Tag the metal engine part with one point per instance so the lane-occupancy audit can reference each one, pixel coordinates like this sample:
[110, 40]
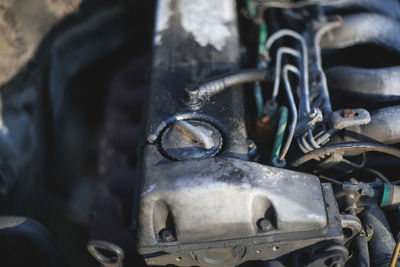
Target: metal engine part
[213, 207]
[207, 133]
[217, 204]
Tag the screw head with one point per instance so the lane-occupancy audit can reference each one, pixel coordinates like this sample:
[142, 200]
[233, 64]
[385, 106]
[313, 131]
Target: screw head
[166, 235]
[264, 225]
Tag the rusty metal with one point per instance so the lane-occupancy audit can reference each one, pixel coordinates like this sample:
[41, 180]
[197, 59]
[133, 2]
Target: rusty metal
[350, 117]
[384, 127]
[263, 130]
[344, 147]
[348, 113]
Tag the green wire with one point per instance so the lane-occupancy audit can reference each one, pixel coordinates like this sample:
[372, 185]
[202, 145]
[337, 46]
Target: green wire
[251, 7]
[259, 99]
[262, 40]
[283, 116]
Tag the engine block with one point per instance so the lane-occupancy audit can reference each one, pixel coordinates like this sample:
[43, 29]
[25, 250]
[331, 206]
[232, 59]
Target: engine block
[202, 201]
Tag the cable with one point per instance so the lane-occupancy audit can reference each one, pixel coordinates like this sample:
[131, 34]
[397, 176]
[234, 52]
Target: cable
[258, 98]
[292, 126]
[343, 147]
[377, 173]
[262, 40]
[369, 170]
[280, 132]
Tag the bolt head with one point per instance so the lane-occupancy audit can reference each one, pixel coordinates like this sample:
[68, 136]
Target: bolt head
[264, 225]
[166, 235]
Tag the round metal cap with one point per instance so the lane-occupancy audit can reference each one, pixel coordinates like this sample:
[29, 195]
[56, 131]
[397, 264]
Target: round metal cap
[191, 139]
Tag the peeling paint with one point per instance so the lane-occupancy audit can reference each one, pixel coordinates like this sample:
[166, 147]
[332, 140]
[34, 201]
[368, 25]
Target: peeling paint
[208, 21]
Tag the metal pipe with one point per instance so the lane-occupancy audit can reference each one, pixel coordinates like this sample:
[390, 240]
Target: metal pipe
[301, 146]
[305, 144]
[317, 46]
[364, 28]
[305, 79]
[278, 67]
[375, 84]
[325, 92]
[310, 136]
[194, 95]
[344, 147]
[292, 126]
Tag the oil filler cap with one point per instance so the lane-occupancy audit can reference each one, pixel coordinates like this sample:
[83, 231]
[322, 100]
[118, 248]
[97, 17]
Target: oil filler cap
[191, 139]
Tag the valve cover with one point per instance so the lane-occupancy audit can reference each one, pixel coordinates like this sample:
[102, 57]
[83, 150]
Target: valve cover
[201, 202]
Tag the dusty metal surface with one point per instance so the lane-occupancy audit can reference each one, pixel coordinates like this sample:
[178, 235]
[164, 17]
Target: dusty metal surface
[363, 28]
[383, 128]
[373, 84]
[213, 211]
[180, 59]
[23, 24]
[74, 152]
[262, 246]
[225, 199]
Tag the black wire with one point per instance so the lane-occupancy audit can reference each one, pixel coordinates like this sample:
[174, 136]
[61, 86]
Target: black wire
[343, 147]
[369, 170]
[377, 173]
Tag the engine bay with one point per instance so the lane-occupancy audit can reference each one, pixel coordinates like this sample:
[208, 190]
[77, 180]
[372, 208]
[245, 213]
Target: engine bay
[216, 133]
